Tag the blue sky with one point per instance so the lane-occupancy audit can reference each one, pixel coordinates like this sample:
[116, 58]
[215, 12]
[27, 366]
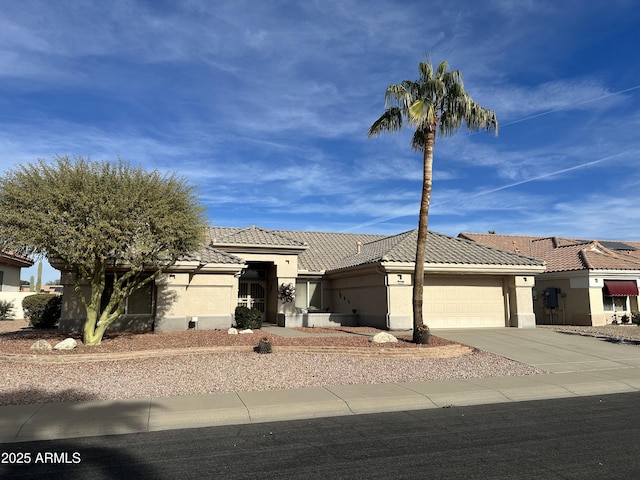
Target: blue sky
[265, 107]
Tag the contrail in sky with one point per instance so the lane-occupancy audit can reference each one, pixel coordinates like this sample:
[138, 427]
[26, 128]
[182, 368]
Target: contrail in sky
[546, 175]
[572, 105]
[498, 189]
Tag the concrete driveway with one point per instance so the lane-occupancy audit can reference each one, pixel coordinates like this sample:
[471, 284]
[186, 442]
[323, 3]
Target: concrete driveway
[549, 350]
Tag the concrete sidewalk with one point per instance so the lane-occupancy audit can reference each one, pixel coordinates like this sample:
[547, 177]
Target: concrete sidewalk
[578, 366]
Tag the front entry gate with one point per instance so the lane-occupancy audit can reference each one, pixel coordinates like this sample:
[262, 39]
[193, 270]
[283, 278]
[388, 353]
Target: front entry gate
[253, 294]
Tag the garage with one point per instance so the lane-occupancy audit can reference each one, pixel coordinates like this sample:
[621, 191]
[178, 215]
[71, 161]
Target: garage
[464, 301]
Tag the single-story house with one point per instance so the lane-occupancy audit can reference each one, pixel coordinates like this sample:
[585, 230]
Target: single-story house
[586, 282]
[10, 267]
[339, 279]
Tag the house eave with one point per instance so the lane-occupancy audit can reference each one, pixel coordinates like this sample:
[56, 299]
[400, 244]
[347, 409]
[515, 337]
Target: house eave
[466, 269]
[16, 261]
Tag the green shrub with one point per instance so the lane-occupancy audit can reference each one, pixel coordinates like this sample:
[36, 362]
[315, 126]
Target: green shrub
[6, 310]
[42, 310]
[248, 318]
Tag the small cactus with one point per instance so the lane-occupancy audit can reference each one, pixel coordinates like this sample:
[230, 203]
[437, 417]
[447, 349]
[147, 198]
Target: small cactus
[421, 334]
[264, 345]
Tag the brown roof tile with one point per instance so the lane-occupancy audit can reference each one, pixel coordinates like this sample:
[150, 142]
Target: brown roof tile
[568, 254]
[15, 259]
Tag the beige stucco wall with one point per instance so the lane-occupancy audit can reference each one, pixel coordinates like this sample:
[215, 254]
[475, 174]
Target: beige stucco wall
[210, 296]
[286, 264]
[205, 299]
[364, 291]
[400, 301]
[11, 278]
[384, 299]
[520, 301]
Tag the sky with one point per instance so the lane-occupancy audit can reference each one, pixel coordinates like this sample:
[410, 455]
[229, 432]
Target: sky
[264, 106]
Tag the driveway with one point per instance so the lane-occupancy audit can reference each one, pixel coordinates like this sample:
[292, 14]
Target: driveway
[548, 350]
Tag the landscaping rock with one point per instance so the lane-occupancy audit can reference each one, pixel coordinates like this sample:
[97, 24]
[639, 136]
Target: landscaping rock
[383, 337]
[41, 345]
[246, 330]
[66, 344]
[232, 331]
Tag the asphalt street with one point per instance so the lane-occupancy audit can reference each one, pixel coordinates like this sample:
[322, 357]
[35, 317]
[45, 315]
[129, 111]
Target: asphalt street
[569, 438]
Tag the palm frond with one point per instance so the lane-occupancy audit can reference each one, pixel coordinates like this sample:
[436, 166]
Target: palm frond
[389, 121]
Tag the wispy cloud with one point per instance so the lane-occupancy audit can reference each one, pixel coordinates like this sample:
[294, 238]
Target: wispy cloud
[265, 106]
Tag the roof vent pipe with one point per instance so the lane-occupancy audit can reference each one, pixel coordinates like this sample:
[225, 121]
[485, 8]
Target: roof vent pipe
[358, 247]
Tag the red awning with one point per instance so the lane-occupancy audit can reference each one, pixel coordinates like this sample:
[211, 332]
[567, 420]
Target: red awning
[620, 288]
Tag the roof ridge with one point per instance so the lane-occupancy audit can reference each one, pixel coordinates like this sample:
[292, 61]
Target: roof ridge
[254, 228]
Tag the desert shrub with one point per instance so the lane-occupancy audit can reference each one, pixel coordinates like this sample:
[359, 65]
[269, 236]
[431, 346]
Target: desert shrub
[248, 318]
[6, 310]
[42, 310]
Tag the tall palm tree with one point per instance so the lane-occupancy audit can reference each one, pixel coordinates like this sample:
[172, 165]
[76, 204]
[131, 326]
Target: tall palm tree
[437, 101]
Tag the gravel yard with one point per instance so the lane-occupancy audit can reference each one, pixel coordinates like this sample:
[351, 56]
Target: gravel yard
[243, 370]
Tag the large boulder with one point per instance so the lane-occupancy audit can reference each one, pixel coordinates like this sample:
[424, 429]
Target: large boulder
[66, 344]
[383, 337]
[232, 331]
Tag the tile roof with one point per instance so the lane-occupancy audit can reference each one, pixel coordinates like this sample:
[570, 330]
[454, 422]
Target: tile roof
[208, 254]
[440, 249]
[567, 254]
[250, 236]
[323, 251]
[13, 258]
[326, 248]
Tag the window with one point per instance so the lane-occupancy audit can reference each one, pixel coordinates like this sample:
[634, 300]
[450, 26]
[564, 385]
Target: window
[615, 304]
[140, 302]
[309, 295]
[1, 279]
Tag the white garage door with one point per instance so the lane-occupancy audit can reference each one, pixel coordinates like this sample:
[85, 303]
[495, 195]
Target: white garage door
[463, 302]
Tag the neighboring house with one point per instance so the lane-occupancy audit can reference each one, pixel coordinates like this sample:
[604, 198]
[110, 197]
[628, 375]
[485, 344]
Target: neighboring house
[10, 267]
[339, 279]
[586, 282]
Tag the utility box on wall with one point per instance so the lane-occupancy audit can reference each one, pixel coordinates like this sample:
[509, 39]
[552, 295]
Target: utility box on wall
[551, 297]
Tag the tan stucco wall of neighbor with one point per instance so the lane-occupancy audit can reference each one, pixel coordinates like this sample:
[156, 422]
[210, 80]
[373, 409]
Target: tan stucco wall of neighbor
[580, 303]
[16, 301]
[598, 315]
[10, 278]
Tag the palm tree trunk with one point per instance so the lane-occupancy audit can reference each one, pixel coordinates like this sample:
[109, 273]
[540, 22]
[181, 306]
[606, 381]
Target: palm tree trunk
[418, 273]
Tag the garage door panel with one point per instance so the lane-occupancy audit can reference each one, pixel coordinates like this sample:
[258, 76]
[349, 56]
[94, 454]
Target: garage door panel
[462, 302]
